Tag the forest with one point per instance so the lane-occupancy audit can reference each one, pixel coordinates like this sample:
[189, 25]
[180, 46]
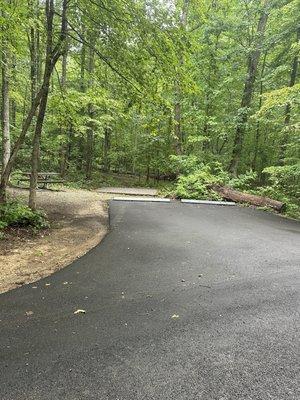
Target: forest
[182, 95]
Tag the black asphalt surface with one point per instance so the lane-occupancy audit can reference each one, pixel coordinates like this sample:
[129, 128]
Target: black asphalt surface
[182, 302]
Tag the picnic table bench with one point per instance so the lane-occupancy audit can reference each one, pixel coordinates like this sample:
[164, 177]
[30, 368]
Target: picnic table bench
[44, 178]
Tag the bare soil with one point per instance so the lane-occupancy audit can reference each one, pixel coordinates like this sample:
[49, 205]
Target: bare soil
[79, 221]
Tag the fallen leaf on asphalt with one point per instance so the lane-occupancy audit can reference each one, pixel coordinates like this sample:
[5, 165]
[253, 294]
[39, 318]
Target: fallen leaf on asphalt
[65, 283]
[79, 312]
[47, 284]
[29, 313]
[182, 280]
[175, 316]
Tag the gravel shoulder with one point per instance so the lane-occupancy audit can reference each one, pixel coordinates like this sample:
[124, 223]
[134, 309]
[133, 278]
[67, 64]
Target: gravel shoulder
[79, 221]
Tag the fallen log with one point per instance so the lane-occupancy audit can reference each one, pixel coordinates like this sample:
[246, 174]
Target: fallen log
[231, 194]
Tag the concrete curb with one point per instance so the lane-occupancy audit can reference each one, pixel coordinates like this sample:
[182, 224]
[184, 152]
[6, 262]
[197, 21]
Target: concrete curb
[144, 199]
[209, 202]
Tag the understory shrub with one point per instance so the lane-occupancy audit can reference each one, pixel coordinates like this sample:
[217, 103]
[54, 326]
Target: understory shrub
[285, 179]
[244, 182]
[17, 214]
[197, 185]
[284, 185]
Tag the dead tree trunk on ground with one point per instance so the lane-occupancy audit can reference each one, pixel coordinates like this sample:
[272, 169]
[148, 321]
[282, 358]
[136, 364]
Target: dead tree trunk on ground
[240, 197]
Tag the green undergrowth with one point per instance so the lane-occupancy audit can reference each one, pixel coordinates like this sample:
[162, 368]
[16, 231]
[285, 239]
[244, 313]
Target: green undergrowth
[281, 183]
[16, 214]
[102, 179]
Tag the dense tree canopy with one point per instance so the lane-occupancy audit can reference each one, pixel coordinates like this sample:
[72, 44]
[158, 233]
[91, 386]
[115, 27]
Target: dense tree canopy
[152, 87]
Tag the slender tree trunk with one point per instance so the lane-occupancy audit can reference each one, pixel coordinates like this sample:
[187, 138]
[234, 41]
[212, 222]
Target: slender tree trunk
[90, 130]
[18, 144]
[288, 107]
[82, 63]
[64, 150]
[89, 147]
[33, 63]
[178, 133]
[5, 104]
[13, 107]
[257, 131]
[31, 113]
[49, 10]
[253, 61]
[52, 55]
[106, 147]
[33, 41]
[80, 143]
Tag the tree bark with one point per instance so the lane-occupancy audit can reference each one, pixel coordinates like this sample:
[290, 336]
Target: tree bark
[234, 195]
[31, 113]
[257, 131]
[52, 55]
[178, 91]
[5, 104]
[13, 103]
[106, 147]
[64, 148]
[253, 61]
[90, 129]
[288, 108]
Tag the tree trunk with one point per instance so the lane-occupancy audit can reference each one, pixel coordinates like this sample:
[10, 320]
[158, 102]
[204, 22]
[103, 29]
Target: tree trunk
[49, 10]
[18, 144]
[178, 92]
[234, 195]
[257, 131]
[90, 130]
[89, 149]
[288, 108]
[253, 62]
[52, 55]
[64, 148]
[82, 62]
[106, 147]
[5, 104]
[35, 104]
[13, 107]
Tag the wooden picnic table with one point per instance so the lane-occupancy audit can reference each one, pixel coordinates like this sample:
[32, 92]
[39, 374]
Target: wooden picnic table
[44, 178]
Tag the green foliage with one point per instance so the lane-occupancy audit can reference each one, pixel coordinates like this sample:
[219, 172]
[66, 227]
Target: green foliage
[284, 185]
[245, 181]
[131, 63]
[197, 185]
[15, 214]
[285, 179]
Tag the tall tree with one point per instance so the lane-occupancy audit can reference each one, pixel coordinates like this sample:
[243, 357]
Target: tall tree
[90, 130]
[178, 133]
[253, 61]
[5, 102]
[53, 52]
[288, 107]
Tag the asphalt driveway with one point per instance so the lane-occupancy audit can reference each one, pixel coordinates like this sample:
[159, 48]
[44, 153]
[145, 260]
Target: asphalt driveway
[181, 302]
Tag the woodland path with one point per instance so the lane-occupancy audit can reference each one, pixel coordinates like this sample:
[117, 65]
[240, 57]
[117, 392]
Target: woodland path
[181, 302]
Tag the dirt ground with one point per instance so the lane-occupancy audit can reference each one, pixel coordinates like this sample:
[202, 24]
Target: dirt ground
[79, 221]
